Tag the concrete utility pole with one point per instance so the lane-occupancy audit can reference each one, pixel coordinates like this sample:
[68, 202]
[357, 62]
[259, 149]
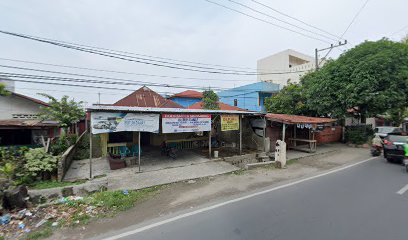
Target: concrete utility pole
[324, 49]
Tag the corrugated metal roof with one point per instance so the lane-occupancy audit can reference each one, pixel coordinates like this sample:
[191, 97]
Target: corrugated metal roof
[295, 119]
[166, 110]
[27, 123]
[145, 97]
[188, 94]
[221, 105]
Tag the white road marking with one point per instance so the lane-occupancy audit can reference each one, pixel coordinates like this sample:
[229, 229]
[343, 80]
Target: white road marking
[153, 225]
[403, 190]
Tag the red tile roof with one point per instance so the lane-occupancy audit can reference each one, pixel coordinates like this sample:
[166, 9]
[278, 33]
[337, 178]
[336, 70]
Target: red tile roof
[30, 99]
[188, 94]
[222, 106]
[145, 97]
[295, 119]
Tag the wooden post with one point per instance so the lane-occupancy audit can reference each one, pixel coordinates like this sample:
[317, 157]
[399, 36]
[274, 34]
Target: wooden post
[283, 131]
[90, 153]
[264, 134]
[209, 143]
[139, 151]
[240, 134]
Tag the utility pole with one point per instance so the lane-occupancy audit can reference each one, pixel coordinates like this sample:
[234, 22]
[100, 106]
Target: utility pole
[324, 49]
[99, 98]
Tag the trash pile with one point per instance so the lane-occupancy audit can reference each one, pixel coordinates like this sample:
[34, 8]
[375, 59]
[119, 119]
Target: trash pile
[66, 211]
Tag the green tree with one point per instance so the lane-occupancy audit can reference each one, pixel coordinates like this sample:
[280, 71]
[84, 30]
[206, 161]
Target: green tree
[290, 100]
[371, 78]
[3, 91]
[65, 111]
[210, 100]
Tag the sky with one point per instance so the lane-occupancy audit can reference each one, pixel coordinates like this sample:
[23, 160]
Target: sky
[188, 30]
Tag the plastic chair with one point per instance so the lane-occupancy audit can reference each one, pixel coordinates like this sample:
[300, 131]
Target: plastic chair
[123, 151]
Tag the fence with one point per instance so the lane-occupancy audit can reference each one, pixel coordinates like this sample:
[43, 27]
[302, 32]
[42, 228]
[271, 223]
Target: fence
[66, 159]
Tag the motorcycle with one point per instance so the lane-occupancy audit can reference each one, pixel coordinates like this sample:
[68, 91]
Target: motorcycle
[376, 150]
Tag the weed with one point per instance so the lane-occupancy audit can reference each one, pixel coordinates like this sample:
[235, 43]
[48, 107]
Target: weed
[43, 233]
[53, 184]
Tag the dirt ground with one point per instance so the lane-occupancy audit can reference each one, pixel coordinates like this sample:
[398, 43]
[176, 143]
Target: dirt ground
[184, 196]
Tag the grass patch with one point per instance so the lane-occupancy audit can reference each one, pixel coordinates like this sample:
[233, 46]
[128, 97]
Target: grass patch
[117, 200]
[40, 234]
[54, 184]
[291, 161]
[238, 172]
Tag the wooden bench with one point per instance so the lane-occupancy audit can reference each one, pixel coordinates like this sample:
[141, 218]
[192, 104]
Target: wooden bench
[310, 143]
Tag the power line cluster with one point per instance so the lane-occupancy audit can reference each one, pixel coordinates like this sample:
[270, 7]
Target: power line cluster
[131, 57]
[300, 27]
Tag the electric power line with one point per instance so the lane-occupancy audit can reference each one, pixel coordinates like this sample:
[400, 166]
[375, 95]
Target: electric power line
[268, 22]
[114, 54]
[122, 72]
[283, 21]
[293, 18]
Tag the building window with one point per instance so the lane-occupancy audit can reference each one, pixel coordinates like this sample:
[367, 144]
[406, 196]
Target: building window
[235, 102]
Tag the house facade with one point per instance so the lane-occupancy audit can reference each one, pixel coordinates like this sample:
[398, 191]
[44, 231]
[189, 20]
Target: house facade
[19, 123]
[293, 64]
[250, 97]
[187, 98]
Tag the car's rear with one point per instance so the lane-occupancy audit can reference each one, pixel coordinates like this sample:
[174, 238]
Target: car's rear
[394, 146]
[384, 131]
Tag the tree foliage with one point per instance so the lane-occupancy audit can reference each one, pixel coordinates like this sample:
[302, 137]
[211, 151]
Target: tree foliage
[371, 78]
[210, 100]
[65, 111]
[3, 91]
[290, 100]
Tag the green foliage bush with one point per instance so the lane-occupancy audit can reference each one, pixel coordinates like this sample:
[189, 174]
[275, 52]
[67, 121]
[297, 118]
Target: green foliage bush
[12, 161]
[61, 144]
[39, 162]
[82, 151]
[359, 134]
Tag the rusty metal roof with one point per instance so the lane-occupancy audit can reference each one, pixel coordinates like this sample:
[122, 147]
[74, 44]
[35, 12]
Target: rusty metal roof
[27, 123]
[145, 97]
[295, 119]
[188, 94]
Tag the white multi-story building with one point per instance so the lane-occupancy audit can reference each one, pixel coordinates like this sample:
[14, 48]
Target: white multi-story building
[292, 64]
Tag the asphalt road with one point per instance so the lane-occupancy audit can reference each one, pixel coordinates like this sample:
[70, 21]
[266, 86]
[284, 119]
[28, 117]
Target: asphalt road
[360, 202]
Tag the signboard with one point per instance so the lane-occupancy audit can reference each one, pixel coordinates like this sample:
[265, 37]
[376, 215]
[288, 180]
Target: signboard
[175, 123]
[105, 122]
[229, 122]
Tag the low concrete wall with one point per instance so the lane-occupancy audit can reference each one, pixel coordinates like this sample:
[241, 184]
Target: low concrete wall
[66, 159]
[241, 160]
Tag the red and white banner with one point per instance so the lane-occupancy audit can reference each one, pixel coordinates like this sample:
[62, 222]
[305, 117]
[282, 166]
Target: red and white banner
[175, 123]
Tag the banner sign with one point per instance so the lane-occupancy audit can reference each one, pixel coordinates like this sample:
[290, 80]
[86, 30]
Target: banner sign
[175, 123]
[105, 122]
[229, 122]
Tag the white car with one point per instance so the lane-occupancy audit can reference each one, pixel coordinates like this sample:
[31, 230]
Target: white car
[384, 131]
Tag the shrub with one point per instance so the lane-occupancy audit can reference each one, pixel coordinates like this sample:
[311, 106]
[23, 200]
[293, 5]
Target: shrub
[359, 134]
[61, 144]
[82, 151]
[39, 162]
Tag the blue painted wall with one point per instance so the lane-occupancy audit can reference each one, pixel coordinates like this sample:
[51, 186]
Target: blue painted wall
[185, 102]
[249, 96]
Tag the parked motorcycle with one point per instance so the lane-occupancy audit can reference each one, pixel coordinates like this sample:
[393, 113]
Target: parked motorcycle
[376, 151]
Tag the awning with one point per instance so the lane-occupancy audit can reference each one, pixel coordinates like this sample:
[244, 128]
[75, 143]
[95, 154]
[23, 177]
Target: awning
[27, 123]
[297, 119]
